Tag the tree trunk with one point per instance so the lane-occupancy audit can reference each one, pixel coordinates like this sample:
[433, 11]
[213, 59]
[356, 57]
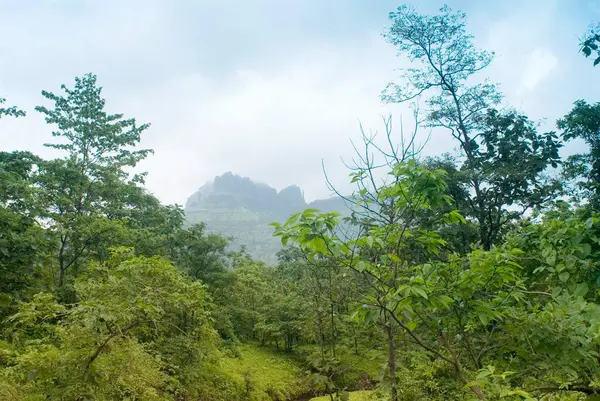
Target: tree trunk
[475, 388]
[61, 262]
[392, 360]
[333, 334]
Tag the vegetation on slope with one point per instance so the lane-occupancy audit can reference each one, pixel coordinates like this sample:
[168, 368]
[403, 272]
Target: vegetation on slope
[265, 374]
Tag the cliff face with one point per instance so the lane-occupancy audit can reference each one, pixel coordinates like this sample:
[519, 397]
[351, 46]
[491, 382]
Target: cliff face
[238, 207]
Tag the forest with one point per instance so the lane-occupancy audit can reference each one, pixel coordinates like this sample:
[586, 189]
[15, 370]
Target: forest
[466, 276]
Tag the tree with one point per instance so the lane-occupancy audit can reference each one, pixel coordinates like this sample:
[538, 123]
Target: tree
[95, 139]
[151, 227]
[465, 311]
[502, 154]
[83, 189]
[385, 234]
[202, 255]
[447, 306]
[583, 122]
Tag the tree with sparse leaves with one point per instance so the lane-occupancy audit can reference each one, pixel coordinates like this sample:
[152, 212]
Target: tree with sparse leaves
[503, 156]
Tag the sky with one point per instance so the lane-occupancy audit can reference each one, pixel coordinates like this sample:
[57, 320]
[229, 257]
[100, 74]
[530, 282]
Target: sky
[268, 89]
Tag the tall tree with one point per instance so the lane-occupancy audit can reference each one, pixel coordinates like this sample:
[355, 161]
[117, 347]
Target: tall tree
[502, 154]
[83, 188]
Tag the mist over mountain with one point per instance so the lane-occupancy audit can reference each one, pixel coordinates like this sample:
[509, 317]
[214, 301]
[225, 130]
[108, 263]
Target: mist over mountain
[238, 207]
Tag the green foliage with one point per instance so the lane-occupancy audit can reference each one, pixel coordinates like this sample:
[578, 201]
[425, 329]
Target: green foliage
[24, 244]
[22, 252]
[584, 122]
[562, 254]
[590, 46]
[113, 343]
[202, 255]
[92, 137]
[12, 111]
[462, 311]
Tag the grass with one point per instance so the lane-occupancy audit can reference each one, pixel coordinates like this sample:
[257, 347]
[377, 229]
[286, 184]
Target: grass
[368, 362]
[354, 396]
[265, 374]
[362, 369]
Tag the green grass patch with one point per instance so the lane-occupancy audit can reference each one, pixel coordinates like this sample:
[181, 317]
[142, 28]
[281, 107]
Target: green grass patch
[264, 374]
[362, 370]
[367, 363]
[354, 396]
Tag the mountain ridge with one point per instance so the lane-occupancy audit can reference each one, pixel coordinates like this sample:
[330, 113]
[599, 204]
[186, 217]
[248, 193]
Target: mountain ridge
[238, 207]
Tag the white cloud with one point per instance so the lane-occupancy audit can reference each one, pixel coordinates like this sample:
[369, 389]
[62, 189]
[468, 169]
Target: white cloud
[275, 128]
[540, 65]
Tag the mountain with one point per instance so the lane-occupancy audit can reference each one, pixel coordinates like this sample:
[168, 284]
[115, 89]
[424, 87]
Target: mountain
[238, 207]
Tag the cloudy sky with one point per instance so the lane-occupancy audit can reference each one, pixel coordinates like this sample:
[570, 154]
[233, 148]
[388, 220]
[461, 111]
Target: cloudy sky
[266, 88]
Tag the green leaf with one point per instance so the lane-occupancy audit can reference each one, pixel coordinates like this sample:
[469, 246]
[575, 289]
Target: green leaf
[394, 257]
[589, 223]
[483, 374]
[483, 318]
[361, 266]
[581, 290]
[411, 325]
[564, 276]
[419, 291]
[444, 300]
[586, 249]
[551, 258]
